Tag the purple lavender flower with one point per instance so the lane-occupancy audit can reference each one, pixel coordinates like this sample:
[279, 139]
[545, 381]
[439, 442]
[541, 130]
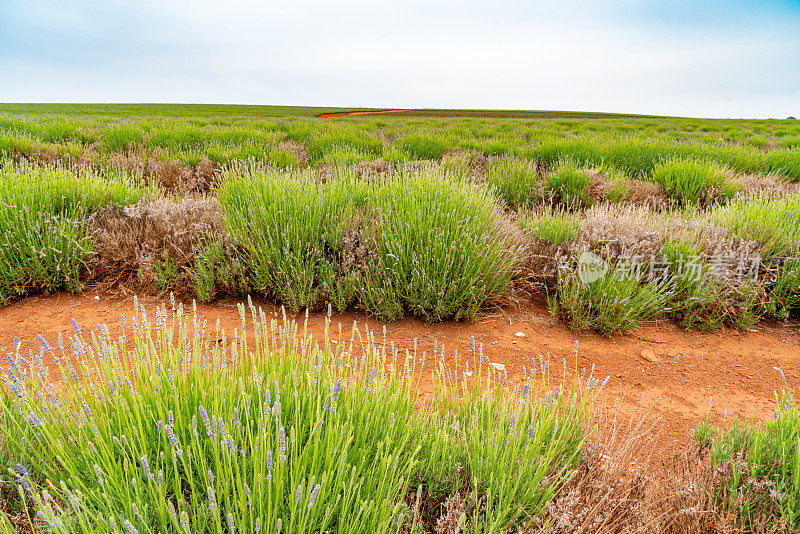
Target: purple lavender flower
[184, 517]
[282, 439]
[173, 439]
[313, 497]
[206, 421]
[146, 467]
[337, 388]
[211, 499]
[44, 343]
[21, 474]
[371, 379]
[13, 361]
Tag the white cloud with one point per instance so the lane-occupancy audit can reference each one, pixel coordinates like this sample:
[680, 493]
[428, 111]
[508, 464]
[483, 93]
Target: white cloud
[513, 54]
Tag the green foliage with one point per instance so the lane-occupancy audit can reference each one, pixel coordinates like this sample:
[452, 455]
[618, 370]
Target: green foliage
[163, 272]
[345, 140]
[702, 299]
[784, 295]
[431, 243]
[215, 270]
[770, 222]
[291, 229]
[121, 137]
[437, 241]
[499, 452]
[422, 146]
[614, 303]
[704, 433]
[516, 181]
[553, 227]
[620, 185]
[691, 182]
[281, 157]
[569, 183]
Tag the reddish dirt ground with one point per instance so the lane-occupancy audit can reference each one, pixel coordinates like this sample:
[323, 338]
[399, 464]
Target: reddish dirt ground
[658, 370]
[349, 113]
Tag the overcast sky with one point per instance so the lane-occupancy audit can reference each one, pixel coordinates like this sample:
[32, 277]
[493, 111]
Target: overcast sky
[681, 57]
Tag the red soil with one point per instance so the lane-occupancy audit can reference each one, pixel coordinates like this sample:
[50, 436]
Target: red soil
[658, 368]
[349, 113]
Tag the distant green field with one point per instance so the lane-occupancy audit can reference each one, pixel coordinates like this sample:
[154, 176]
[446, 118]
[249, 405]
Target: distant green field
[434, 213]
[516, 114]
[170, 110]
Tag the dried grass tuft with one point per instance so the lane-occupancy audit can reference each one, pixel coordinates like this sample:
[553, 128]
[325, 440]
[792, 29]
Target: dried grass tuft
[696, 497]
[296, 148]
[368, 169]
[537, 261]
[616, 229]
[647, 194]
[472, 162]
[129, 242]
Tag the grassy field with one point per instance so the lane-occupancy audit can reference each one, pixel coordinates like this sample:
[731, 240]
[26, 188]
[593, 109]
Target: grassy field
[614, 220]
[427, 215]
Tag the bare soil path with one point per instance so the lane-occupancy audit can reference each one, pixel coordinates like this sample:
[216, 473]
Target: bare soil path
[351, 113]
[660, 368]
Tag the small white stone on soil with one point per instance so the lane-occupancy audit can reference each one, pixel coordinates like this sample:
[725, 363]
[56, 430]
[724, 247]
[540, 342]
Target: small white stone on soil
[520, 334]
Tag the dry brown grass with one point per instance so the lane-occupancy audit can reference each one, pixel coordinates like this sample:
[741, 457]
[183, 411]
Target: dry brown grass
[129, 242]
[617, 229]
[647, 194]
[765, 183]
[472, 162]
[537, 263]
[297, 149]
[368, 169]
[626, 484]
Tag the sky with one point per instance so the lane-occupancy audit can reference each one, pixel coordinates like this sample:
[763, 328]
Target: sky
[682, 57]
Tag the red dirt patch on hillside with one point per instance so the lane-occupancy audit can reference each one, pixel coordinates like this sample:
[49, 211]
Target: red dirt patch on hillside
[351, 113]
[660, 368]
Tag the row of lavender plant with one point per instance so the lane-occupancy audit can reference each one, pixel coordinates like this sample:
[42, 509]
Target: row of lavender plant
[44, 231]
[422, 241]
[174, 426]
